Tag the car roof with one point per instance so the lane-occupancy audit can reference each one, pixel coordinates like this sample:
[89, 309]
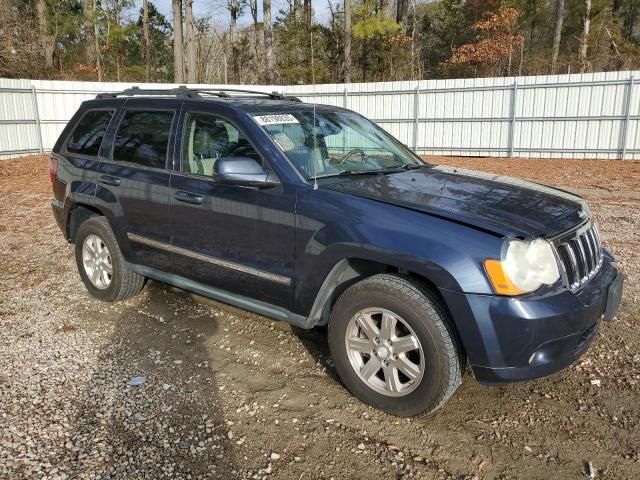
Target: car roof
[251, 104]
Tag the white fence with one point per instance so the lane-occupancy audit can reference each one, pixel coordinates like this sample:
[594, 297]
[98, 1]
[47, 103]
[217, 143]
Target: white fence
[563, 116]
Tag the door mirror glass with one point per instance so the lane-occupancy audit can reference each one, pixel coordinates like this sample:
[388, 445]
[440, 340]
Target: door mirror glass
[243, 171]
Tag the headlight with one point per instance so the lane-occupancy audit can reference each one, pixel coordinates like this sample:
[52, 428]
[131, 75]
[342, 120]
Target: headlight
[524, 268]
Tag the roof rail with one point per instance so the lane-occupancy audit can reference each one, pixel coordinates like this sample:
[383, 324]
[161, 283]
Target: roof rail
[184, 91]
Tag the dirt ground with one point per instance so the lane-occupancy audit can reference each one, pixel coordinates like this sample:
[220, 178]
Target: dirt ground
[229, 394]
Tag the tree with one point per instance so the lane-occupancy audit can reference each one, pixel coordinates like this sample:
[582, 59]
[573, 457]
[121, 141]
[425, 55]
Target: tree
[267, 32]
[91, 48]
[557, 33]
[234, 10]
[191, 42]
[347, 41]
[584, 40]
[178, 49]
[402, 11]
[147, 40]
[45, 36]
[495, 43]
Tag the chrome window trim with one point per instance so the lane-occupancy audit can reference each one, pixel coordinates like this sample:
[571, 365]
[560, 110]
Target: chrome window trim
[281, 279]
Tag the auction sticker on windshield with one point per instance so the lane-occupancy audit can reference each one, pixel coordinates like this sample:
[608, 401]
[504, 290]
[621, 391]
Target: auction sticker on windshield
[275, 119]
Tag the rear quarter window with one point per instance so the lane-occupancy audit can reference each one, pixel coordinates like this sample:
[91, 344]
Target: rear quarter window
[143, 138]
[88, 134]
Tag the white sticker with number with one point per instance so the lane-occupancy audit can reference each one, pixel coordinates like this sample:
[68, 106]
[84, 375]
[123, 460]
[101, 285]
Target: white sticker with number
[275, 119]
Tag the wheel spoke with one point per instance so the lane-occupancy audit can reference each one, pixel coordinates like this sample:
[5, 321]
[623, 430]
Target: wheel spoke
[105, 278]
[368, 327]
[406, 366]
[108, 268]
[391, 379]
[362, 345]
[95, 275]
[371, 368]
[405, 344]
[91, 246]
[388, 325]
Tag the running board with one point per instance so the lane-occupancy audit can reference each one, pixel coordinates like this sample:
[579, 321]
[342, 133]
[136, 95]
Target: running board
[240, 301]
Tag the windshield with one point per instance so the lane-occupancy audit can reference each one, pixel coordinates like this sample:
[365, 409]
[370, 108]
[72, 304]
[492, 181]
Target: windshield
[339, 143]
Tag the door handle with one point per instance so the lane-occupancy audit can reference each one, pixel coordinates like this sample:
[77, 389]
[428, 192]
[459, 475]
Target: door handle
[109, 180]
[187, 197]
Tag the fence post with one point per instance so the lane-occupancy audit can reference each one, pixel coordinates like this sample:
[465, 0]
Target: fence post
[627, 114]
[416, 118]
[344, 100]
[512, 129]
[34, 100]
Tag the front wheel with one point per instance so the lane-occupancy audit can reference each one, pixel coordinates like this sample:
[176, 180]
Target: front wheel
[393, 346]
[103, 269]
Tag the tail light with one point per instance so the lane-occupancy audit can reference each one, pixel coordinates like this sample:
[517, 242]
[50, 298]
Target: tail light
[53, 170]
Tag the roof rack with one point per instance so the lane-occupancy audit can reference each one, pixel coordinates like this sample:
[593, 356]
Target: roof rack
[184, 91]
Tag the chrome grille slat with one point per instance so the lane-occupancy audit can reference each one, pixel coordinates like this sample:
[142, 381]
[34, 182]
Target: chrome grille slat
[580, 254]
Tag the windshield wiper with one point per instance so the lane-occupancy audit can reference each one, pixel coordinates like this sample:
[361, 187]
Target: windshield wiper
[382, 171]
[349, 173]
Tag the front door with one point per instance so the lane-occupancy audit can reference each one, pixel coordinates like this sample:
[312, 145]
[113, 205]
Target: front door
[238, 239]
[134, 184]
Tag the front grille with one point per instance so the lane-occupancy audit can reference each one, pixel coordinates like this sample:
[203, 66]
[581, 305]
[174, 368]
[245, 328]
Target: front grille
[580, 255]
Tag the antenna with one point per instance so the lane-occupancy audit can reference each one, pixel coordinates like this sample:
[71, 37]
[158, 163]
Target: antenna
[315, 133]
[315, 148]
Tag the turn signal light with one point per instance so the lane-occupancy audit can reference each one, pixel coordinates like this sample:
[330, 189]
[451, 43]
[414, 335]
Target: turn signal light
[501, 283]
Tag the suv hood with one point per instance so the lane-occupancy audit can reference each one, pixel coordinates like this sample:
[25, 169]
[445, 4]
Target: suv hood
[503, 205]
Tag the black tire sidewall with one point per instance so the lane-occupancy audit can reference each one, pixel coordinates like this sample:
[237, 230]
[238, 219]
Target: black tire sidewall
[424, 322]
[96, 227]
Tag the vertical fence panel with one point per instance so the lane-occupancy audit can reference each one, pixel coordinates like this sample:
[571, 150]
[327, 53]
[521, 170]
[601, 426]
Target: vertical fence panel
[566, 116]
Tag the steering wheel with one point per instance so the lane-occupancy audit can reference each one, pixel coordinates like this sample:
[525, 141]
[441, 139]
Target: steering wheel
[351, 153]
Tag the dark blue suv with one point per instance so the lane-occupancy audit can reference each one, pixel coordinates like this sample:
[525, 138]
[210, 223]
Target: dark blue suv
[314, 215]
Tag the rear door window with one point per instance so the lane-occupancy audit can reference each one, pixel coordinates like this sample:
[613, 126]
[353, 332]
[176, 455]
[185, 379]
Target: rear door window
[87, 137]
[143, 138]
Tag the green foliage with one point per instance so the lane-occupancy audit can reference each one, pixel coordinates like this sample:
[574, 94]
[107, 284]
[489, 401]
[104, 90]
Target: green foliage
[382, 49]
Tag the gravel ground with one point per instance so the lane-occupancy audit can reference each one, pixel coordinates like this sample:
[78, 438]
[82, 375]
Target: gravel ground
[229, 394]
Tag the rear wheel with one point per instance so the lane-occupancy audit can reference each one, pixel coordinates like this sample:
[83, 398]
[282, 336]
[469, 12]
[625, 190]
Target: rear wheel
[393, 347]
[103, 269]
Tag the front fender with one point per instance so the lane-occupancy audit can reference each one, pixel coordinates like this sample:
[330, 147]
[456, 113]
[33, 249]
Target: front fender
[336, 226]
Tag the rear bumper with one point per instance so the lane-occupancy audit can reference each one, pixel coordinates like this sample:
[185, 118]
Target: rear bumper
[516, 339]
[59, 214]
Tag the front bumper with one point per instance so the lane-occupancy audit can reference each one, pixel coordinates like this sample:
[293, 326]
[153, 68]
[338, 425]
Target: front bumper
[516, 339]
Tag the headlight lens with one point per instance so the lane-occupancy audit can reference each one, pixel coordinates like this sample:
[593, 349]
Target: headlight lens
[524, 268]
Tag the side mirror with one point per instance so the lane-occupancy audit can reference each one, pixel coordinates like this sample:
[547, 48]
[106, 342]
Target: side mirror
[242, 171]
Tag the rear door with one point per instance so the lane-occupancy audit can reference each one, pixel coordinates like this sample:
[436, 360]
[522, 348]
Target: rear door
[235, 238]
[133, 181]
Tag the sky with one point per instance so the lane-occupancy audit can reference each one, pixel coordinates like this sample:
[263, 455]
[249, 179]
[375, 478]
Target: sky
[216, 9]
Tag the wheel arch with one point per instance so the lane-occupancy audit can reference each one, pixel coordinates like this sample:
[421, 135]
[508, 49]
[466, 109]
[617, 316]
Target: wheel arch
[78, 214]
[349, 271]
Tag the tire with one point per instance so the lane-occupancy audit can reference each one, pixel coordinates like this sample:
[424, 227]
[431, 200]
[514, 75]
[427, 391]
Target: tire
[418, 315]
[122, 282]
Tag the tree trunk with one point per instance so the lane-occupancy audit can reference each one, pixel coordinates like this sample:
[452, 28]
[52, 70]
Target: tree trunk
[387, 7]
[191, 42]
[88, 9]
[297, 6]
[402, 11]
[45, 39]
[268, 41]
[253, 6]
[147, 41]
[233, 29]
[557, 34]
[307, 11]
[347, 41]
[584, 41]
[178, 49]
